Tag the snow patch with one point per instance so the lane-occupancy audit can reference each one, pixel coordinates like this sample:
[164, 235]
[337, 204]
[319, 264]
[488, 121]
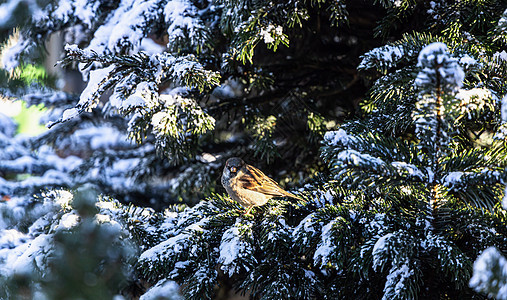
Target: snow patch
[500, 56]
[63, 198]
[504, 109]
[433, 52]
[233, 247]
[467, 60]
[7, 125]
[339, 136]
[305, 229]
[129, 30]
[102, 137]
[96, 77]
[326, 247]
[69, 114]
[68, 220]
[270, 32]
[32, 253]
[10, 56]
[380, 249]
[150, 47]
[168, 248]
[85, 11]
[435, 58]
[7, 10]
[359, 159]
[11, 238]
[164, 289]
[386, 55]
[396, 281]
[180, 16]
[411, 169]
[479, 94]
[452, 178]
[490, 274]
[63, 11]
[138, 99]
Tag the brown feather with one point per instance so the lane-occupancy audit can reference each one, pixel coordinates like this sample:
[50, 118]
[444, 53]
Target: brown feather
[261, 183]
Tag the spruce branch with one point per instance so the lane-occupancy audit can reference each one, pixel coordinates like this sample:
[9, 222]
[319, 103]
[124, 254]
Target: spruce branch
[439, 77]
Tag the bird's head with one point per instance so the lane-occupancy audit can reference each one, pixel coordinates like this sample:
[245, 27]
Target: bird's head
[233, 165]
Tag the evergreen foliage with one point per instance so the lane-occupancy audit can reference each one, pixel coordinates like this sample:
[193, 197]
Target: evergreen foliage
[398, 201]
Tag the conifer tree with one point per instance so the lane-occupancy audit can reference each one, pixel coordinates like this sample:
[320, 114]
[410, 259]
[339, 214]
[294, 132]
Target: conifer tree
[388, 116]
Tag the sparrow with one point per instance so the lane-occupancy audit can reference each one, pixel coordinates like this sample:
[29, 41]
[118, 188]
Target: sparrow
[248, 186]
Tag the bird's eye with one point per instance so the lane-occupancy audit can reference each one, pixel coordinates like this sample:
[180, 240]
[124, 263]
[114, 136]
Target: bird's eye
[233, 169]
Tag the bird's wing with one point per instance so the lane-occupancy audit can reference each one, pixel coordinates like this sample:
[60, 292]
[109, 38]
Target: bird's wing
[256, 181]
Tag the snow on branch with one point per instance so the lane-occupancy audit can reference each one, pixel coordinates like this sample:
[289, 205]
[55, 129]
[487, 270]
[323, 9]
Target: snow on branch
[326, 249]
[501, 133]
[397, 249]
[127, 26]
[438, 69]
[82, 11]
[164, 289]
[162, 254]
[408, 170]
[490, 274]
[53, 99]
[369, 156]
[11, 57]
[400, 282]
[438, 80]
[501, 28]
[184, 24]
[458, 180]
[130, 75]
[339, 137]
[306, 232]
[404, 251]
[236, 251]
[380, 251]
[120, 30]
[361, 160]
[473, 102]
[384, 58]
[47, 169]
[178, 124]
[182, 246]
[252, 33]
[455, 263]
[159, 67]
